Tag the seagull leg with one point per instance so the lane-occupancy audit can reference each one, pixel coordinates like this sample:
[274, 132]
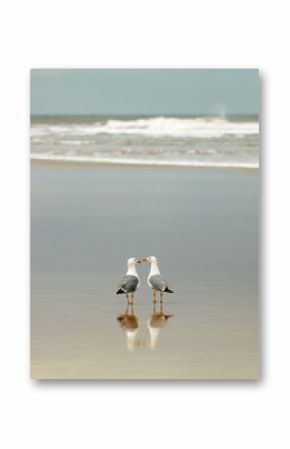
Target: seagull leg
[127, 306]
[132, 303]
[154, 301]
[161, 302]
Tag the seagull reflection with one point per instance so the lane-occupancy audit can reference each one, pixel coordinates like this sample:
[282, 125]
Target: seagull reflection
[129, 322]
[156, 322]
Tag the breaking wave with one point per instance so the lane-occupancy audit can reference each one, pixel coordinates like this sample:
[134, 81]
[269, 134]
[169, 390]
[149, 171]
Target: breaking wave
[168, 141]
[204, 127]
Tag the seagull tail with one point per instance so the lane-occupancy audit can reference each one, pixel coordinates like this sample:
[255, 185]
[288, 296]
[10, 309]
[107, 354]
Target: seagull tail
[120, 291]
[167, 290]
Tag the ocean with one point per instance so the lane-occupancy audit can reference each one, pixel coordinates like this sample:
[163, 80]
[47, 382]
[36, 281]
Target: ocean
[225, 142]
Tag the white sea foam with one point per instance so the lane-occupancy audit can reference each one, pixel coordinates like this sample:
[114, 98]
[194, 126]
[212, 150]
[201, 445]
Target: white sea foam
[204, 127]
[139, 161]
[176, 141]
[74, 142]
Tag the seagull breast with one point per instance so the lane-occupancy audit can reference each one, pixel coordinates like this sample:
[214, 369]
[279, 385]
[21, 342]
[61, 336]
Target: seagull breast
[157, 282]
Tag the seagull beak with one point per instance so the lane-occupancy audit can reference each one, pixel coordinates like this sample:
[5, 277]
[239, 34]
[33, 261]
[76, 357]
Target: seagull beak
[144, 259]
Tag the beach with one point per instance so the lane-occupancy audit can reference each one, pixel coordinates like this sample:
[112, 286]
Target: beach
[201, 224]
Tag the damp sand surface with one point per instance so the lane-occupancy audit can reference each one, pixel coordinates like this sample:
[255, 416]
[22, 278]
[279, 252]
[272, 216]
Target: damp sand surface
[202, 224]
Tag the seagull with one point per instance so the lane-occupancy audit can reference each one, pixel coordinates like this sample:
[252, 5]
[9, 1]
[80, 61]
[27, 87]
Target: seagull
[155, 280]
[130, 281]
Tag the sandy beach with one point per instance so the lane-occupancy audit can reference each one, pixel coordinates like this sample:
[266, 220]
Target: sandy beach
[203, 227]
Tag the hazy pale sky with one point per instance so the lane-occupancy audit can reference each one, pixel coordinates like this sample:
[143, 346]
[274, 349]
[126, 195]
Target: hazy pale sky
[144, 91]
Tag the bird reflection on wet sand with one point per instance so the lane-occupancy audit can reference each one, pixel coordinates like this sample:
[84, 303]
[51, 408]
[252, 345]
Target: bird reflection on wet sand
[157, 321]
[130, 324]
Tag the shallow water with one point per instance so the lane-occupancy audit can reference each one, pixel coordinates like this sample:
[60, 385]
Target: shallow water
[203, 227]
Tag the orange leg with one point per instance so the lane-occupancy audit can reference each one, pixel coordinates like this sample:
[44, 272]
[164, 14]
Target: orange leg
[161, 302]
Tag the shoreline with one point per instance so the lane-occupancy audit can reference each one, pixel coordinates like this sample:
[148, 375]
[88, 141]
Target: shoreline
[82, 163]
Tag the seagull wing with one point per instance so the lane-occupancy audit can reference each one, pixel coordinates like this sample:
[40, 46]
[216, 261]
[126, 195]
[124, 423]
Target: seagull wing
[128, 284]
[158, 282]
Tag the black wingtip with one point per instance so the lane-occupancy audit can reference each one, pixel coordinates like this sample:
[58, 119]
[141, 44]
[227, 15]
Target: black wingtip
[119, 292]
[167, 290]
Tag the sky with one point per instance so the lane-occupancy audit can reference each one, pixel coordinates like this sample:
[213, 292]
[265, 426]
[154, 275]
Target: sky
[144, 91]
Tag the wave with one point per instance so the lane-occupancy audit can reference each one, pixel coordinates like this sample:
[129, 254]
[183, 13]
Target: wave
[203, 127]
[142, 162]
[167, 141]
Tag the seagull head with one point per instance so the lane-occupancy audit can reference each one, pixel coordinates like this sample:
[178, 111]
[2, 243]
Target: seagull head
[132, 261]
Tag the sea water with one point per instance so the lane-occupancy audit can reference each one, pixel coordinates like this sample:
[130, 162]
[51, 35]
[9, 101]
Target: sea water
[178, 141]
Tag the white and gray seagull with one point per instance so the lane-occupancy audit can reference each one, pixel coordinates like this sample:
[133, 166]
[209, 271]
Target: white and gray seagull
[155, 280]
[130, 281]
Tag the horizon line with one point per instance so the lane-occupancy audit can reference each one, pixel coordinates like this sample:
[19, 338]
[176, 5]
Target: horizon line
[256, 114]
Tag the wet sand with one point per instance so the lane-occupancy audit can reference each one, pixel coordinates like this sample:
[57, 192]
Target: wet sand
[203, 227]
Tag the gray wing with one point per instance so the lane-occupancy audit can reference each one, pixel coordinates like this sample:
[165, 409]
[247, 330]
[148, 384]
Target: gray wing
[158, 282]
[129, 284]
